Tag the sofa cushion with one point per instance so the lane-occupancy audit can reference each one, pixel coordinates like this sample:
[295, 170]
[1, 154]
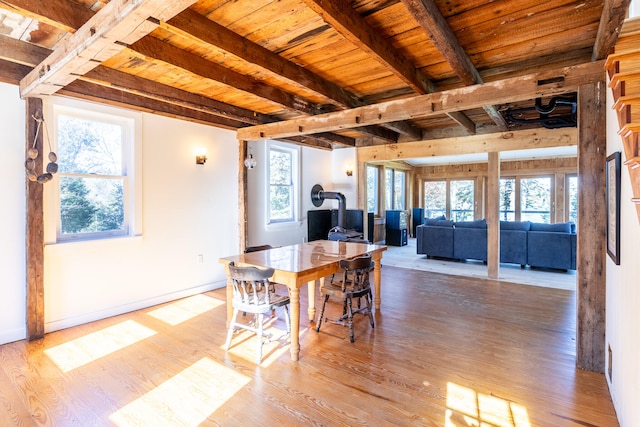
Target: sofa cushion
[437, 222]
[515, 225]
[561, 227]
[481, 223]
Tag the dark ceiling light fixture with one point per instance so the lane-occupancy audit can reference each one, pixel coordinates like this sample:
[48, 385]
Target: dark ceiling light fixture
[545, 113]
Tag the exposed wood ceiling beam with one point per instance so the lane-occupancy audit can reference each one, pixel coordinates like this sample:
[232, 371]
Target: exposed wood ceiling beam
[614, 13]
[500, 141]
[191, 24]
[546, 83]
[21, 57]
[72, 16]
[340, 15]
[435, 25]
[119, 23]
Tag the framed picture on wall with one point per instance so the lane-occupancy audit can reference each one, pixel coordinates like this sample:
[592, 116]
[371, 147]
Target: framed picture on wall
[613, 207]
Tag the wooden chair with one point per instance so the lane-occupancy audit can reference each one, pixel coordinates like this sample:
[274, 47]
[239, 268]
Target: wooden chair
[354, 285]
[251, 294]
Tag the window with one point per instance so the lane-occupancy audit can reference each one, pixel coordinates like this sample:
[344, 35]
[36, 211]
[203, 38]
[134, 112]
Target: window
[535, 199]
[435, 199]
[526, 199]
[394, 189]
[372, 189]
[572, 200]
[95, 186]
[461, 203]
[508, 199]
[452, 198]
[283, 184]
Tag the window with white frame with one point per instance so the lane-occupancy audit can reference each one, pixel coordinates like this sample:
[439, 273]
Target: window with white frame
[395, 189]
[95, 181]
[283, 179]
[372, 189]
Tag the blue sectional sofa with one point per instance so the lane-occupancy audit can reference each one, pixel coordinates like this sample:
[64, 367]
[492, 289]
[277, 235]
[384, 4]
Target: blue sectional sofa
[521, 242]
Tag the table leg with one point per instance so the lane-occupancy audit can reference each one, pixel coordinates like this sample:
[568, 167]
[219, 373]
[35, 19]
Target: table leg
[311, 309]
[294, 298]
[376, 283]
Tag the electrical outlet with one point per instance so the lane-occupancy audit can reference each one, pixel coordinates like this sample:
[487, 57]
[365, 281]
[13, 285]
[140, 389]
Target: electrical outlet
[200, 259]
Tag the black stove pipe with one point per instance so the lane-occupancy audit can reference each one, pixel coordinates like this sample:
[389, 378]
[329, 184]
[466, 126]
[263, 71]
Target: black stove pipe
[318, 195]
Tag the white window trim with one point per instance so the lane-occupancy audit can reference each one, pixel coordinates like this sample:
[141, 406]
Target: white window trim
[133, 205]
[296, 157]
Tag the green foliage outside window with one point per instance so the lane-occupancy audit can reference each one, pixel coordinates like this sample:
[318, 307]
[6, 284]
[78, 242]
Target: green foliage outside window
[91, 176]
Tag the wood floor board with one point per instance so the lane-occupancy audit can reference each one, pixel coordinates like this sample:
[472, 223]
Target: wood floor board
[445, 351]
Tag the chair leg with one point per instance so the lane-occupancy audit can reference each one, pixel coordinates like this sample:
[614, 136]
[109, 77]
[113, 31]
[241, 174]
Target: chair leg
[324, 303]
[286, 319]
[232, 325]
[350, 319]
[260, 322]
[368, 299]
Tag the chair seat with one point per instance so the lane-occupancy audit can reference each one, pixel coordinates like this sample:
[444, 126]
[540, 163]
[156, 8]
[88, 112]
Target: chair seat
[275, 302]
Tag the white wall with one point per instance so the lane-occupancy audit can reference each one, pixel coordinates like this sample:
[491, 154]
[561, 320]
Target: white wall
[623, 296]
[187, 211]
[12, 215]
[317, 167]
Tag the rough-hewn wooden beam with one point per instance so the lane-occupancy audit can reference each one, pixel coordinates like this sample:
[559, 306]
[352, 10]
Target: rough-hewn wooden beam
[106, 33]
[435, 25]
[592, 209]
[345, 20]
[157, 50]
[546, 83]
[67, 16]
[35, 228]
[613, 15]
[472, 144]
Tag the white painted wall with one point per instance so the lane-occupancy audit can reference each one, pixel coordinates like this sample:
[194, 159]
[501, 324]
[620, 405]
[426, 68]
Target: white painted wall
[623, 296]
[12, 215]
[188, 210]
[317, 167]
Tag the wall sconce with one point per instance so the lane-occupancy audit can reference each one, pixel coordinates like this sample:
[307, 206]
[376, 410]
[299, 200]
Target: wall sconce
[349, 172]
[201, 156]
[250, 162]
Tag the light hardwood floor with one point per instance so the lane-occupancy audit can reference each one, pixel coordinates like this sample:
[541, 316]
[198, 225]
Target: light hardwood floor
[445, 351]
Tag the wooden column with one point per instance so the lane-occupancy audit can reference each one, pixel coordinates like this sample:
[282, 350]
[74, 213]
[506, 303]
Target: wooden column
[560, 197]
[492, 215]
[591, 261]
[35, 228]
[242, 195]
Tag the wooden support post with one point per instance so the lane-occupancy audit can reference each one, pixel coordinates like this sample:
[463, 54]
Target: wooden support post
[242, 195]
[493, 216]
[591, 261]
[35, 228]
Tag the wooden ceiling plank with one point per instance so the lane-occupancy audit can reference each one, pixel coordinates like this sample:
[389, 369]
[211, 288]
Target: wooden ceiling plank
[161, 51]
[545, 83]
[614, 13]
[191, 24]
[67, 16]
[435, 25]
[118, 20]
[346, 20]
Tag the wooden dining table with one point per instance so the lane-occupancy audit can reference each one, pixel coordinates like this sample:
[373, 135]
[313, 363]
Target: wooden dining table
[305, 263]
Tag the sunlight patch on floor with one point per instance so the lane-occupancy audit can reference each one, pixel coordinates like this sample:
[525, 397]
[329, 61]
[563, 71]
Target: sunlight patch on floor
[244, 343]
[187, 399]
[185, 309]
[466, 407]
[86, 349]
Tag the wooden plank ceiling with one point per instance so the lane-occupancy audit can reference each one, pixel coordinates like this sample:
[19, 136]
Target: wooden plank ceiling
[241, 63]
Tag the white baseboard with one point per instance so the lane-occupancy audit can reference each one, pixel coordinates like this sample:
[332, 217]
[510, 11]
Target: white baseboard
[12, 335]
[59, 324]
